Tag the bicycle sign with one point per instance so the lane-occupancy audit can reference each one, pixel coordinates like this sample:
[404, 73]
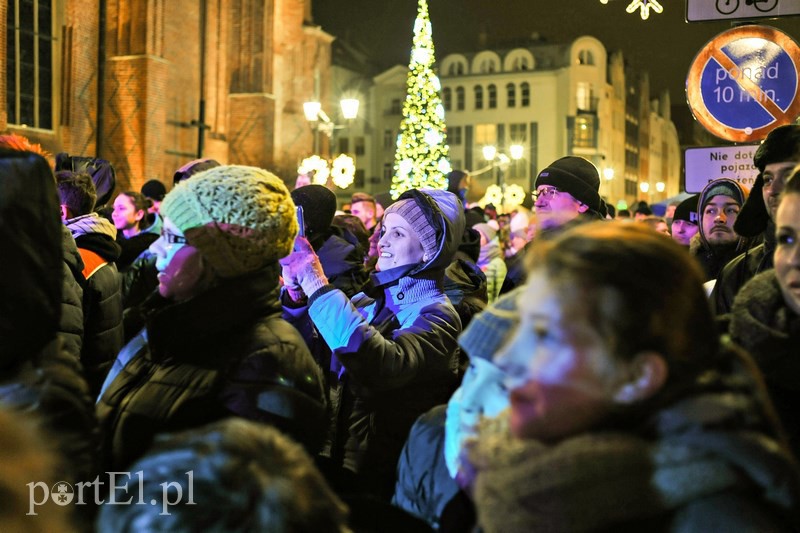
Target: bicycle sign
[745, 82]
[701, 10]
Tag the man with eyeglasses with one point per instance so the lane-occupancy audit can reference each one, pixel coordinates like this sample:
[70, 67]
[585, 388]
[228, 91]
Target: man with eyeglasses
[567, 193]
[775, 159]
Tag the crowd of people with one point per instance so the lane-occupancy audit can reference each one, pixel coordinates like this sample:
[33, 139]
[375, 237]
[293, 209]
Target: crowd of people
[413, 364]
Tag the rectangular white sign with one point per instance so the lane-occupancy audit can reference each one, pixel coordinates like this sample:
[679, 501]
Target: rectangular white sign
[700, 10]
[709, 163]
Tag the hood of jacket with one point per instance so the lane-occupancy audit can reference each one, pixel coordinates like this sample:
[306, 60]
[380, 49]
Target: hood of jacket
[443, 211]
[31, 270]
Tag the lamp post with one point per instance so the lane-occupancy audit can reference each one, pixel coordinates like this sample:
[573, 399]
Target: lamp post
[343, 166]
[499, 162]
[321, 122]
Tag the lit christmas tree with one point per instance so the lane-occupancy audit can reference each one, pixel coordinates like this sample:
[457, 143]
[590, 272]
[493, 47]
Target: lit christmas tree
[421, 159]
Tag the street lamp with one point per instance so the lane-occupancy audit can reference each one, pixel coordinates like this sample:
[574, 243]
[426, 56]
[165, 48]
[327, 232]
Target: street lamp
[322, 122]
[339, 171]
[499, 162]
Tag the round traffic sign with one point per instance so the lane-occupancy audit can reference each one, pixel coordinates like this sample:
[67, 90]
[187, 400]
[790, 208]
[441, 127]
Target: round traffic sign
[745, 82]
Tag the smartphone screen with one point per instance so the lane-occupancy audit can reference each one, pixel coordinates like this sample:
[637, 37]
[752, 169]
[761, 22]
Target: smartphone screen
[301, 222]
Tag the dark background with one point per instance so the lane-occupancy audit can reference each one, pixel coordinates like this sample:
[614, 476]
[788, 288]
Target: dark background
[664, 45]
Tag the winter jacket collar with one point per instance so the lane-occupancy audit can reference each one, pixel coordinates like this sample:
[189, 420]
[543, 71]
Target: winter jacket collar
[182, 331]
[95, 233]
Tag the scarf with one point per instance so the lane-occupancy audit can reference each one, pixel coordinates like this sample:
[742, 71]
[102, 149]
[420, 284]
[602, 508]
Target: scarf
[489, 251]
[599, 480]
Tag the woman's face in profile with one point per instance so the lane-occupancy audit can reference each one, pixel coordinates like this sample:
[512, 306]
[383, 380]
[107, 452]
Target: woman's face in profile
[562, 379]
[787, 250]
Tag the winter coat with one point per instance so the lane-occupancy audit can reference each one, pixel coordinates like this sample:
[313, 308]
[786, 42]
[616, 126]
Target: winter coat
[492, 264]
[424, 486]
[465, 286]
[740, 270]
[37, 376]
[707, 462]
[102, 298]
[762, 323]
[394, 352]
[70, 330]
[714, 257]
[224, 352]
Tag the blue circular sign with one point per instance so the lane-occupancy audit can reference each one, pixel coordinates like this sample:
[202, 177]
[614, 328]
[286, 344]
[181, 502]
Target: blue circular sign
[745, 82]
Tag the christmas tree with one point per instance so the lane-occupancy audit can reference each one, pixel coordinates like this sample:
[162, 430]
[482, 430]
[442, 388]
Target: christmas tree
[421, 157]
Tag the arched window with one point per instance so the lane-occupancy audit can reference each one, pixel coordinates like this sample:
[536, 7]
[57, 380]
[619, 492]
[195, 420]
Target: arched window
[511, 95]
[456, 69]
[525, 94]
[460, 98]
[447, 98]
[492, 90]
[488, 66]
[478, 97]
[521, 63]
[585, 57]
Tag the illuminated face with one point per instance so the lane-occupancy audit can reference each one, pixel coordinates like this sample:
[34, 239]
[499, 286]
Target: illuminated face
[683, 231]
[555, 208]
[365, 211]
[399, 244]
[719, 214]
[481, 394]
[775, 176]
[787, 251]
[125, 215]
[561, 376]
[181, 269]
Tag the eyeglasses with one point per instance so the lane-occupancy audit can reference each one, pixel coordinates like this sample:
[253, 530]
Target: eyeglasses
[546, 194]
[171, 238]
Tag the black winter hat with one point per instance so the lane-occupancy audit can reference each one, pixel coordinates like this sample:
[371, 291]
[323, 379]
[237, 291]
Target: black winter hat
[154, 189]
[319, 207]
[687, 210]
[101, 171]
[782, 144]
[575, 175]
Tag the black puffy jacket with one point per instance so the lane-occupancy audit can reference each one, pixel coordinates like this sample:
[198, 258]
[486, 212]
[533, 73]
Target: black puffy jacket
[224, 352]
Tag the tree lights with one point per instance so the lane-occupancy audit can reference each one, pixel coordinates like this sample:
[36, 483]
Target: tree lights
[421, 158]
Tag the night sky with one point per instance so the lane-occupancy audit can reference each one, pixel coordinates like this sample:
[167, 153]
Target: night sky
[664, 45]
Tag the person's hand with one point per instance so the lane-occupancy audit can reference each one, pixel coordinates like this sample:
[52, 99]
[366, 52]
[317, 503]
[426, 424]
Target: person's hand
[302, 269]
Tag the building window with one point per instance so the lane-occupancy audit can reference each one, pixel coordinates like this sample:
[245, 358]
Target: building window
[518, 133]
[585, 57]
[454, 135]
[344, 145]
[525, 94]
[584, 96]
[460, 98]
[487, 66]
[397, 106]
[359, 145]
[447, 99]
[388, 171]
[456, 69]
[29, 72]
[584, 132]
[485, 134]
[520, 63]
[492, 90]
[478, 97]
[511, 95]
[388, 139]
[358, 179]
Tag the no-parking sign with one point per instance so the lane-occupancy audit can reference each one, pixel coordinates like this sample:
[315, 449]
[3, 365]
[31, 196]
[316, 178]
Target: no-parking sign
[745, 82]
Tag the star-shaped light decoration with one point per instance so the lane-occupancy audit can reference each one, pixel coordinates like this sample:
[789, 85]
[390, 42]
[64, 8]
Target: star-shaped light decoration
[644, 7]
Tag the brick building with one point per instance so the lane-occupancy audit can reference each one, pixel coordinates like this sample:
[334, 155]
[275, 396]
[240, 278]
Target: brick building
[133, 81]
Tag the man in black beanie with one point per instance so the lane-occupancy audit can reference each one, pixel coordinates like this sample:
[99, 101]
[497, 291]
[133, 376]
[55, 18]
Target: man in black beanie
[775, 159]
[567, 191]
[685, 221]
[339, 251]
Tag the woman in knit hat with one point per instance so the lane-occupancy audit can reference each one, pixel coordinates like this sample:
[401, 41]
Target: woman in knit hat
[490, 260]
[627, 412]
[394, 351]
[214, 343]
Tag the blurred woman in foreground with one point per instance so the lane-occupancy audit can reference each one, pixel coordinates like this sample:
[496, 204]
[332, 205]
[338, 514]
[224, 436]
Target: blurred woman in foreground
[626, 410]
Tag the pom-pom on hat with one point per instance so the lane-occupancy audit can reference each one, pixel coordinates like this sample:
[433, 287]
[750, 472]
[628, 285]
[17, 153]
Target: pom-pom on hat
[687, 210]
[412, 213]
[319, 207]
[575, 175]
[240, 218]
